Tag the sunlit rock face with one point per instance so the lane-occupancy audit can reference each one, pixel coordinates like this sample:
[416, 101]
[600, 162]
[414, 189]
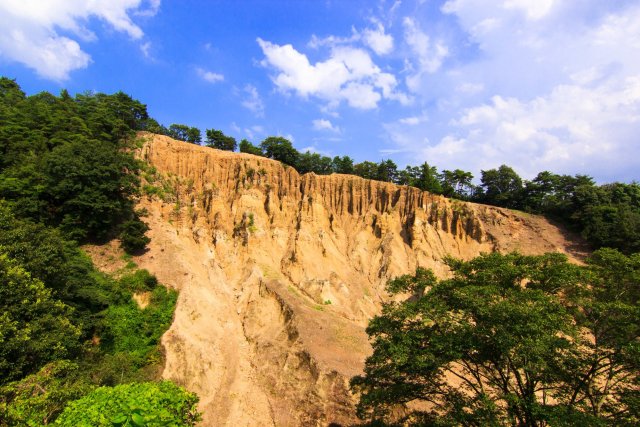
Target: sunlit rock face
[279, 273]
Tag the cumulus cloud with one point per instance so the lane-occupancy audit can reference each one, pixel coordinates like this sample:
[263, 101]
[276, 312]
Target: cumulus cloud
[324, 124]
[380, 42]
[348, 75]
[428, 55]
[545, 85]
[253, 101]
[573, 129]
[209, 76]
[31, 31]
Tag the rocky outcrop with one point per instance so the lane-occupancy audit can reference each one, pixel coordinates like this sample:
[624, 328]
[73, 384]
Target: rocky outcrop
[279, 273]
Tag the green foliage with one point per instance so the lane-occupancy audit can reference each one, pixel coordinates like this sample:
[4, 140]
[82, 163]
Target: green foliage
[132, 235]
[138, 281]
[425, 177]
[37, 329]
[66, 161]
[387, 171]
[502, 187]
[509, 340]
[129, 329]
[217, 139]
[457, 184]
[185, 133]
[314, 162]
[90, 186]
[366, 170]
[39, 398]
[248, 147]
[67, 172]
[343, 164]
[34, 327]
[609, 215]
[279, 148]
[139, 405]
[60, 265]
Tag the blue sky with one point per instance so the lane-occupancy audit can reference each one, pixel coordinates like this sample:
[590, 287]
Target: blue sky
[471, 84]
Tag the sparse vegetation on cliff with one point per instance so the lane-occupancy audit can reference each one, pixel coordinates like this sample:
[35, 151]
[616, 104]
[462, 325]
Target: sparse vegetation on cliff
[606, 215]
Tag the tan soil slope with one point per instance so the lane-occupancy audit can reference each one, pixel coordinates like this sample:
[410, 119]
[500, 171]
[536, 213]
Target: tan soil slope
[278, 274]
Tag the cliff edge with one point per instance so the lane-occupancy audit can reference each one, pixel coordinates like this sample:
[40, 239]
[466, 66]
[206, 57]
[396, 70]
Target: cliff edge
[279, 273]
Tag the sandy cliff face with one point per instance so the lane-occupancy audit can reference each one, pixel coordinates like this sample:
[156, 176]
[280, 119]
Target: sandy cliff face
[279, 273]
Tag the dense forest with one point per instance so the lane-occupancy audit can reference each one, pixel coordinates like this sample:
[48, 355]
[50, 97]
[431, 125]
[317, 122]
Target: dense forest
[67, 331]
[76, 349]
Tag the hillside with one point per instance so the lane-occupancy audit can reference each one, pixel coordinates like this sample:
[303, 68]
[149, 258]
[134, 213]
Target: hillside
[278, 273]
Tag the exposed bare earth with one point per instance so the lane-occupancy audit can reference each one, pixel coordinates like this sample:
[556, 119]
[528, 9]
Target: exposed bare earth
[279, 273]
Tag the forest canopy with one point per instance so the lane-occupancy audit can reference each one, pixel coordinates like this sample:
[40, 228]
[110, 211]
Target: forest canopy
[68, 176]
[509, 340]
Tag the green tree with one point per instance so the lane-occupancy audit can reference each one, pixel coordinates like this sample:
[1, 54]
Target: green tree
[457, 183]
[144, 404]
[39, 398]
[314, 162]
[502, 187]
[132, 235]
[427, 179]
[509, 340]
[34, 327]
[185, 133]
[408, 176]
[366, 170]
[387, 171]
[67, 161]
[609, 215]
[59, 264]
[217, 139]
[343, 164]
[279, 148]
[89, 185]
[194, 136]
[248, 147]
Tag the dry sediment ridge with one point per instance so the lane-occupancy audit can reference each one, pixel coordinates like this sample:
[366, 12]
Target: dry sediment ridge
[279, 273]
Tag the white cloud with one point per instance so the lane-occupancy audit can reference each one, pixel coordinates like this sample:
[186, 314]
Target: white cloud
[539, 85]
[470, 88]
[573, 129]
[533, 9]
[428, 54]
[332, 41]
[324, 124]
[145, 48]
[347, 75]
[375, 39]
[380, 42]
[251, 132]
[253, 101]
[31, 31]
[414, 120]
[152, 8]
[209, 76]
